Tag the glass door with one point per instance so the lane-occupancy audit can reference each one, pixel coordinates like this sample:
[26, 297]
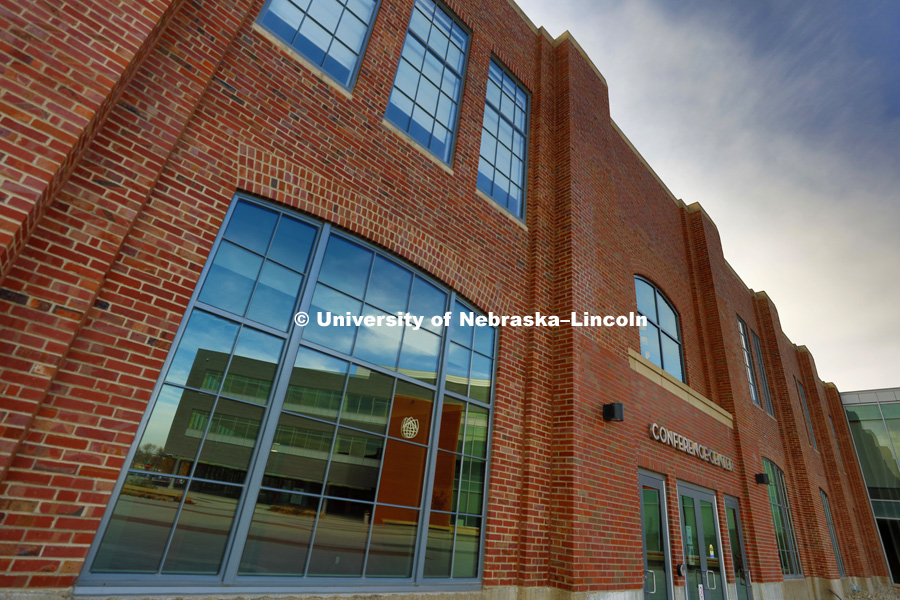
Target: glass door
[702, 555]
[655, 537]
[738, 557]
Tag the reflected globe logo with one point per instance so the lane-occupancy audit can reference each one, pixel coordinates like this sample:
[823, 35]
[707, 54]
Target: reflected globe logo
[409, 427]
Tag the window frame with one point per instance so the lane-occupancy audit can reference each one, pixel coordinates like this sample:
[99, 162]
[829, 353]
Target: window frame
[835, 544]
[748, 362]
[657, 295]
[778, 482]
[763, 377]
[462, 81]
[351, 83]
[527, 133]
[227, 578]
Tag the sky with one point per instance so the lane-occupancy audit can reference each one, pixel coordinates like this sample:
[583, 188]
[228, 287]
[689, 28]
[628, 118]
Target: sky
[782, 119]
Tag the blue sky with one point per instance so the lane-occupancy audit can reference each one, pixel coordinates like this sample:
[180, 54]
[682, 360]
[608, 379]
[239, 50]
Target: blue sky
[783, 120]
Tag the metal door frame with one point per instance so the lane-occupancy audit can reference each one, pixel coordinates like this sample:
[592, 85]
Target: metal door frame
[657, 482]
[732, 502]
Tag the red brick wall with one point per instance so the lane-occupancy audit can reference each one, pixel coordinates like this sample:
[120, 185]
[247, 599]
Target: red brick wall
[65, 67]
[197, 105]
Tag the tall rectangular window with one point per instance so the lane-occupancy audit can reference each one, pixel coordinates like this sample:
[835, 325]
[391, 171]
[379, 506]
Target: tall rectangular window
[781, 518]
[279, 451]
[428, 86]
[763, 379]
[504, 141]
[803, 405]
[748, 361]
[834, 541]
[331, 34]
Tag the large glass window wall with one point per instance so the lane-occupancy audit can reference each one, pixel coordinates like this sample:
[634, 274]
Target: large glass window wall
[277, 452]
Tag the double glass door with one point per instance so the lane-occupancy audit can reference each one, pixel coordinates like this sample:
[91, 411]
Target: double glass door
[704, 567]
[702, 555]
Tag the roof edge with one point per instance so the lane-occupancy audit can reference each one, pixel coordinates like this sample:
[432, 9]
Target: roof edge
[566, 36]
[525, 17]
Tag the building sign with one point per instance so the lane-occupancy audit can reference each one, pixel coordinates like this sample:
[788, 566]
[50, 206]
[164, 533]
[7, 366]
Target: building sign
[679, 442]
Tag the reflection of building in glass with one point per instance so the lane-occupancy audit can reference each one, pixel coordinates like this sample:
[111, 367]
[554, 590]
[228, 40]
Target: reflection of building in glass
[235, 425]
[874, 417]
[357, 457]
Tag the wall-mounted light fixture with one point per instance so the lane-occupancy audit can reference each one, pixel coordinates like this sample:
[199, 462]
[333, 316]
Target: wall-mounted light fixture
[762, 478]
[614, 411]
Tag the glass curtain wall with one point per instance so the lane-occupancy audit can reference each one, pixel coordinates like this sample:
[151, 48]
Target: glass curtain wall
[284, 452]
[876, 435]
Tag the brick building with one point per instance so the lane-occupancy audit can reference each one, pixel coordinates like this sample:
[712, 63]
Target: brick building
[181, 177]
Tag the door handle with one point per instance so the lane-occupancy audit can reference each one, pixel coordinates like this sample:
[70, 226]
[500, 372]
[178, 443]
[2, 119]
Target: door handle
[653, 591]
[747, 576]
[713, 586]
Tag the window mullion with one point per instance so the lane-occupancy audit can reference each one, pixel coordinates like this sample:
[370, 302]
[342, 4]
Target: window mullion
[790, 534]
[240, 319]
[324, 492]
[454, 519]
[375, 504]
[659, 329]
[258, 463]
[495, 350]
[425, 517]
[189, 478]
[257, 466]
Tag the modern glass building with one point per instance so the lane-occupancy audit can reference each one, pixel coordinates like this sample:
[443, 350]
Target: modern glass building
[874, 417]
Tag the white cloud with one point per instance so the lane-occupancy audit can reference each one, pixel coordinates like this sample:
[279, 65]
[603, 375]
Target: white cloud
[783, 146]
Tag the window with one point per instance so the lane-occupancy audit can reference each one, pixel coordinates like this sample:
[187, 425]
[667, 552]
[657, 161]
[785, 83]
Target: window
[834, 541]
[275, 454]
[837, 445]
[781, 518]
[874, 428]
[331, 34]
[661, 337]
[763, 379]
[748, 361]
[428, 85]
[504, 141]
[809, 428]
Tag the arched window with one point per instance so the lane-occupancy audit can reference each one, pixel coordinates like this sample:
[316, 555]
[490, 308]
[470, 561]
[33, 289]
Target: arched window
[280, 452]
[661, 338]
